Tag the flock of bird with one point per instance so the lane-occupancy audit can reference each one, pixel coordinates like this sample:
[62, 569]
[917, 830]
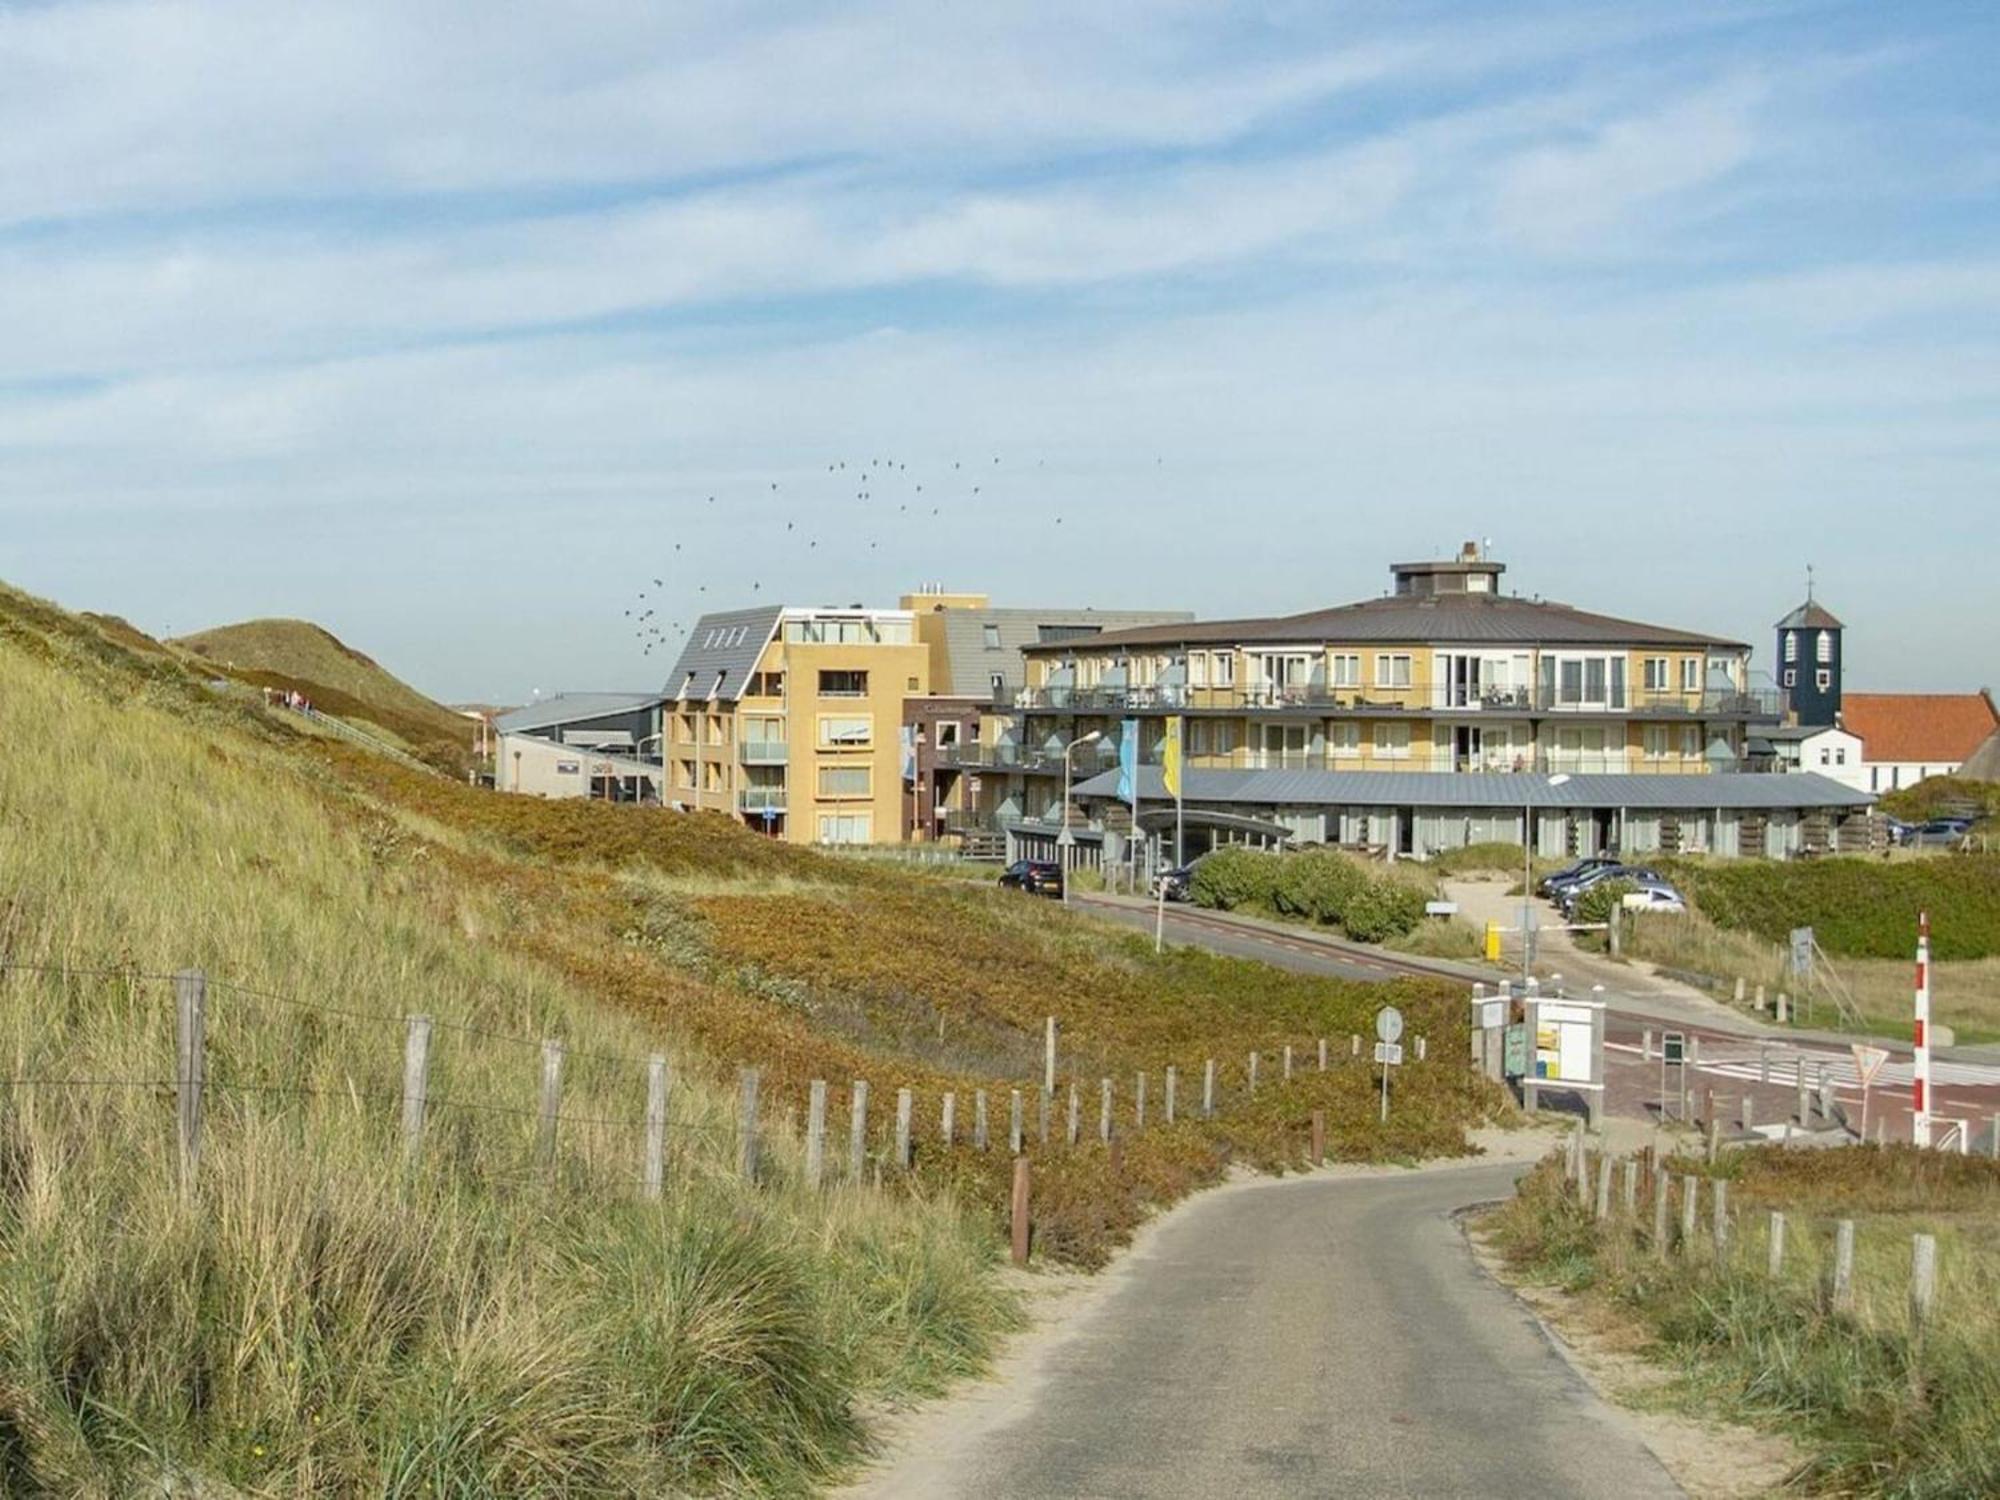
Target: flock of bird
[869, 500]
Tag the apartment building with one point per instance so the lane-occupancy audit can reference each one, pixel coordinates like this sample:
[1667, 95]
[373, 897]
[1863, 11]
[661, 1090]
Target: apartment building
[791, 719]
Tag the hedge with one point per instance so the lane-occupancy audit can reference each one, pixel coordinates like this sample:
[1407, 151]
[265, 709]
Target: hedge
[1315, 885]
[1857, 908]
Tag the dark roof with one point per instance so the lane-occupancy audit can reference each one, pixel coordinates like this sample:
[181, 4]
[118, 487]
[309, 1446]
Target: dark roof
[1811, 615]
[725, 647]
[572, 708]
[1441, 618]
[1737, 789]
[972, 662]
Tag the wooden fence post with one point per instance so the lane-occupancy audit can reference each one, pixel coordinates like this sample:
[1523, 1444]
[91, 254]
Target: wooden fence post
[416, 1083]
[1923, 1280]
[1104, 1110]
[857, 1130]
[1662, 1186]
[1774, 1251]
[190, 1069]
[1354, 1044]
[1173, 1081]
[1045, 1103]
[1319, 1137]
[815, 1133]
[746, 1127]
[545, 1125]
[1049, 1056]
[905, 1107]
[979, 1135]
[1208, 1089]
[1074, 1124]
[1842, 1290]
[1690, 1209]
[1015, 1134]
[1139, 1102]
[1322, 1054]
[1288, 1062]
[655, 1170]
[1253, 1072]
[1603, 1205]
[1718, 1211]
[1749, 1114]
[1631, 1188]
[1019, 1212]
[948, 1119]
[1423, 1047]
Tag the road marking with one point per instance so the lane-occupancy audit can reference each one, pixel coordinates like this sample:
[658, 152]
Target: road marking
[1840, 1069]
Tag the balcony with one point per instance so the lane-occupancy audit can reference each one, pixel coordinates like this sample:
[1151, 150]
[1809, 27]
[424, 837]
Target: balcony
[763, 752]
[1085, 760]
[1318, 700]
[758, 799]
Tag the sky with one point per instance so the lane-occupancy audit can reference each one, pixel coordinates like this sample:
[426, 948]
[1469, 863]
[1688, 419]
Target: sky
[453, 327]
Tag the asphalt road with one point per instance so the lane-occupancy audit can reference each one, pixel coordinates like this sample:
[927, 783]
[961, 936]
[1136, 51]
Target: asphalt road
[1317, 1336]
[1305, 954]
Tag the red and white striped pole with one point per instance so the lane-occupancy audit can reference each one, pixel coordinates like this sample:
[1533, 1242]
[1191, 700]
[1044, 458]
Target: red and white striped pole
[1920, 1083]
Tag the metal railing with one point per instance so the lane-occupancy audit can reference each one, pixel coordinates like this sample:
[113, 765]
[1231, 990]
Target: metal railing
[763, 752]
[761, 798]
[1320, 699]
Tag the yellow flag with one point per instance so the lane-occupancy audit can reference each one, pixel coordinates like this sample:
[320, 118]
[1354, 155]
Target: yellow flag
[1170, 758]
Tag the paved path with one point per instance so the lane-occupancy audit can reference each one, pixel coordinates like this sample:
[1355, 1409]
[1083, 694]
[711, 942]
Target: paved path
[1314, 1336]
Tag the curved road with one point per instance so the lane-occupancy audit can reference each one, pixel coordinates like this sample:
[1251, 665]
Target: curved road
[1313, 1336]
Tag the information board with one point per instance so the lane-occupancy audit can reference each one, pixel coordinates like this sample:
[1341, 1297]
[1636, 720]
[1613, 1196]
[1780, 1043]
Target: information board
[1562, 1042]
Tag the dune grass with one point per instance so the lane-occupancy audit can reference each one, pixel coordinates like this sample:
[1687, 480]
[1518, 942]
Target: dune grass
[1877, 1409]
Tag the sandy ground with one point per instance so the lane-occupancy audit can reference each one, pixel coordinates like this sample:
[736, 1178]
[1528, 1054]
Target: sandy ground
[919, 1445]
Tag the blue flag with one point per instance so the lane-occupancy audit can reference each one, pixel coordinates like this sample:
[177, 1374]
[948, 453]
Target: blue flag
[1128, 762]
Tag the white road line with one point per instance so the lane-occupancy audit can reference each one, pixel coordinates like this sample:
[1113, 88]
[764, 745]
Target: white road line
[1840, 1069]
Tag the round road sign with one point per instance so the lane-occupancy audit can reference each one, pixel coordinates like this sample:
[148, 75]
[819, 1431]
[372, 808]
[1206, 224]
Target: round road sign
[1388, 1023]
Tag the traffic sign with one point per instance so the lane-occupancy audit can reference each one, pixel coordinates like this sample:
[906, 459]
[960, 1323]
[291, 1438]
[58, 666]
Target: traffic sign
[1673, 1047]
[1389, 1053]
[1389, 1023]
[1868, 1062]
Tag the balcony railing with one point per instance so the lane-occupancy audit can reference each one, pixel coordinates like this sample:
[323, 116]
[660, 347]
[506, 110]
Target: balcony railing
[1085, 760]
[761, 799]
[1318, 699]
[763, 752]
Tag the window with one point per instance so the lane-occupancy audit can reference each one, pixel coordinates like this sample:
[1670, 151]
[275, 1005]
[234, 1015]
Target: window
[1393, 671]
[1690, 674]
[1343, 738]
[1823, 648]
[1656, 674]
[1791, 678]
[846, 828]
[1791, 645]
[947, 734]
[1691, 741]
[1825, 756]
[765, 685]
[843, 684]
[989, 636]
[684, 774]
[1392, 741]
[1225, 669]
[1840, 755]
[1345, 670]
[845, 781]
[909, 684]
[1822, 679]
[997, 681]
[842, 732]
[1656, 740]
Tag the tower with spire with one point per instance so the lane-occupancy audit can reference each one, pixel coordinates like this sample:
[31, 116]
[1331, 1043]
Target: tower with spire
[1808, 665]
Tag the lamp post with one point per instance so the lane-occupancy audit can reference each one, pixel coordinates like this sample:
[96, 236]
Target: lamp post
[1065, 841]
[1528, 867]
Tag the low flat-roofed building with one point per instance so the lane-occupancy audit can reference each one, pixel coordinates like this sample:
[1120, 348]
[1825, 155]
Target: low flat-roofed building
[603, 745]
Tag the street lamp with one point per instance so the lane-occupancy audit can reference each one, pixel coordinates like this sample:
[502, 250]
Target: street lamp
[1528, 866]
[1065, 840]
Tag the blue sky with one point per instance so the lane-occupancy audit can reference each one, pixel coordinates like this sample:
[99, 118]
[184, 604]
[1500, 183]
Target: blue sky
[440, 324]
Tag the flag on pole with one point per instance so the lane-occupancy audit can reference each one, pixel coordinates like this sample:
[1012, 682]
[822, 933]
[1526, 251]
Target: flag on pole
[1170, 758]
[1128, 763]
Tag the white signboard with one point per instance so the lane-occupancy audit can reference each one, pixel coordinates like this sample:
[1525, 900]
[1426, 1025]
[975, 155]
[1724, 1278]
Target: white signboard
[1562, 1043]
[1489, 1014]
[1390, 1053]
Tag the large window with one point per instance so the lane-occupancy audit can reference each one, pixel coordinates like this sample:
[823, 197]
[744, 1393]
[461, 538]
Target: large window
[1343, 738]
[1224, 674]
[843, 684]
[1690, 674]
[847, 828]
[845, 781]
[1344, 670]
[765, 685]
[1656, 674]
[1392, 741]
[1583, 681]
[1656, 741]
[1392, 669]
[846, 731]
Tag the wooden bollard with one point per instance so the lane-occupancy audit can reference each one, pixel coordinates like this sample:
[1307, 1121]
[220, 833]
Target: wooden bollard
[545, 1123]
[1774, 1249]
[1739, 989]
[1714, 1138]
[1690, 1209]
[746, 1126]
[1288, 1062]
[1253, 1072]
[1760, 999]
[948, 1120]
[1045, 1104]
[1104, 1110]
[1646, 1045]
[1073, 1126]
[1322, 1054]
[1749, 1113]
[1423, 1047]
[190, 1072]
[417, 1082]
[1172, 1086]
[1049, 1056]
[1923, 1279]
[1718, 1212]
[1841, 1292]
[979, 1137]
[815, 1133]
[1603, 1204]
[905, 1111]
[1631, 1191]
[857, 1131]
[1014, 1123]
[1208, 1089]
[1018, 1207]
[1139, 1102]
[1319, 1137]
[653, 1175]
[1354, 1044]
[1662, 1185]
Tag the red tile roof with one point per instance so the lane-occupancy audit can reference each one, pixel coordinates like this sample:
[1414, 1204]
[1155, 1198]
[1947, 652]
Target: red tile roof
[1934, 727]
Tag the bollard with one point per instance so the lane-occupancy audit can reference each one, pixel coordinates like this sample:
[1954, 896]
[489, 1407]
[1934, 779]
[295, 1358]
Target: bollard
[1074, 1124]
[1019, 1207]
[1104, 1110]
[857, 1130]
[1354, 1044]
[1784, 1014]
[1319, 1137]
[905, 1107]
[1661, 1187]
[1739, 989]
[979, 1137]
[1139, 1102]
[1173, 1082]
[1631, 1190]
[1760, 999]
[1646, 1045]
[948, 1120]
[1763, 1062]
[1253, 1072]
[1749, 1114]
[1208, 1089]
[1288, 1062]
[1690, 1209]
[1014, 1131]
[1714, 1138]
[1719, 1213]
[1045, 1106]
[1322, 1054]
[1923, 1279]
[815, 1134]
[1603, 1205]
[1774, 1253]
[1841, 1292]
[1423, 1048]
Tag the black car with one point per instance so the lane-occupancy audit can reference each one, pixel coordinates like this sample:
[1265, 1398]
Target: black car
[1552, 885]
[1173, 884]
[1038, 877]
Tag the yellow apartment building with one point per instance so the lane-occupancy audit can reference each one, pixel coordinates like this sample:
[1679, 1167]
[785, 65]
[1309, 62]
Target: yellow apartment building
[791, 719]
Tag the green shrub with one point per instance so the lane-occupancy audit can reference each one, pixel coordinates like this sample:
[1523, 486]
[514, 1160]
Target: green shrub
[1601, 900]
[1382, 909]
[1858, 908]
[1317, 885]
[1231, 878]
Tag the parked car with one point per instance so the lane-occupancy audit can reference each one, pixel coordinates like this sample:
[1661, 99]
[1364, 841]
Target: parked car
[1661, 899]
[1576, 871]
[1038, 877]
[1176, 883]
[1638, 875]
[1939, 831]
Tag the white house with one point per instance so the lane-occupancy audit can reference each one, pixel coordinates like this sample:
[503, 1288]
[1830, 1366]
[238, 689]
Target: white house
[1825, 749]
